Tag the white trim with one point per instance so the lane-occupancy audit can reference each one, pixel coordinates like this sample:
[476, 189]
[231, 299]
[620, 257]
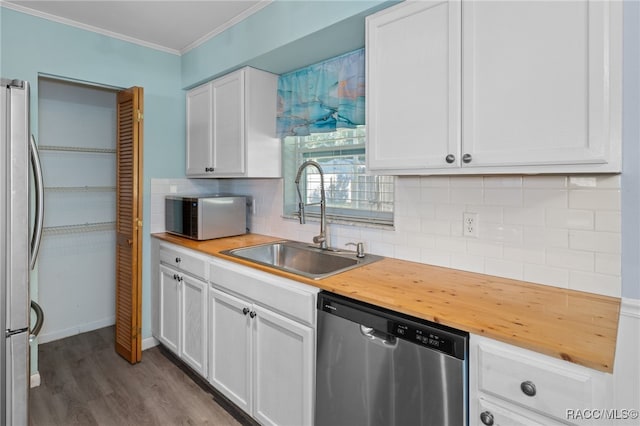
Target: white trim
[630, 307]
[149, 343]
[78, 329]
[35, 380]
[238, 18]
[178, 52]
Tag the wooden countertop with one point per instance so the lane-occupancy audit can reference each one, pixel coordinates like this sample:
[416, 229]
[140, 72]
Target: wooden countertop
[576, 326]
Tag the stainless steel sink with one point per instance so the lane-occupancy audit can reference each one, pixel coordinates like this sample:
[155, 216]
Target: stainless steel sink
[302, 259]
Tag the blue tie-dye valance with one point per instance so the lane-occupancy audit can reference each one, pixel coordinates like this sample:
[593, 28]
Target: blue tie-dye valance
[322, 97]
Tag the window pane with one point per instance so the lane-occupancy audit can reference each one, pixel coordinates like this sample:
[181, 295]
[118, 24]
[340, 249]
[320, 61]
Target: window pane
[351, 194]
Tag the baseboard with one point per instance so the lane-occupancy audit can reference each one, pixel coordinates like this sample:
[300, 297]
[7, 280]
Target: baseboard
[72, 331]
[35, 380]
[630, 307]
[149, 343]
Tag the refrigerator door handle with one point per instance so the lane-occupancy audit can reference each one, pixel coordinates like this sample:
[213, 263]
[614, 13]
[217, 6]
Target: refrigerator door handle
[39, 219]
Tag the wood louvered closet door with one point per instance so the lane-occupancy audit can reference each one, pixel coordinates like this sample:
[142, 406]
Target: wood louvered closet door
[129, 224]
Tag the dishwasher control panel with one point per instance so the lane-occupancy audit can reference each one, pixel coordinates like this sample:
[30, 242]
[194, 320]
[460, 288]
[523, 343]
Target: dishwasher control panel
[429, 338]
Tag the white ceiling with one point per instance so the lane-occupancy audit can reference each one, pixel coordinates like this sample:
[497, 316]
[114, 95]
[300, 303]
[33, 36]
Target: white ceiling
[172, 26]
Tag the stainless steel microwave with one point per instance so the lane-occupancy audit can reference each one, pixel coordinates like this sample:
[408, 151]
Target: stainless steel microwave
[205, 217]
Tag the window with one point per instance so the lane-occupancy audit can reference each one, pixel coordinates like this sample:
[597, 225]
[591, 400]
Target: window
[352, 195]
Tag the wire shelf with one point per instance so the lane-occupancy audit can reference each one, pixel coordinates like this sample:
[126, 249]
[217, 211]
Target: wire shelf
[77, 229]
[80, 189]
[76, 149]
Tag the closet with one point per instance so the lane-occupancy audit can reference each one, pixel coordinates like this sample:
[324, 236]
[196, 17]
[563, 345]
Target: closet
[76, 269]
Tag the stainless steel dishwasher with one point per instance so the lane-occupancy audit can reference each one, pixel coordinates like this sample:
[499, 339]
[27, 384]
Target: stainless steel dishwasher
[379, 367]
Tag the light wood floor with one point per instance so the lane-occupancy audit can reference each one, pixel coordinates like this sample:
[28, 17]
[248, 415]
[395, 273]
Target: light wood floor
[84, 382]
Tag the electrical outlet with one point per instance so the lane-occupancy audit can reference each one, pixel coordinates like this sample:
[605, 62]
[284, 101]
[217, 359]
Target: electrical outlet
[470, 225]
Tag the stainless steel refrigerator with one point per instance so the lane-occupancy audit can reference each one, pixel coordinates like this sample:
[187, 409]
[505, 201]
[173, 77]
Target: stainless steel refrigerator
[18, 246]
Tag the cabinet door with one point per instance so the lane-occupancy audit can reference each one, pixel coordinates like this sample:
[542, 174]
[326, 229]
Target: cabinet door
[413, 87]
[169, 312]
[284, 370]
[228, 124]
[193, 328]
[230, 350]
[539, 83]
[199, 134]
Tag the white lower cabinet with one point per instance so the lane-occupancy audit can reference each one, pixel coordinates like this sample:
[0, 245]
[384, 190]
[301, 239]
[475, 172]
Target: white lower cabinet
[262, 343]
[183, 317]
[515, 386]
[260, 360]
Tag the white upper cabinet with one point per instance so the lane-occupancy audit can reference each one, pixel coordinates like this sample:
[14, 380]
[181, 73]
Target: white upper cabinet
[231, 124]
[413, 86]
[537, 89]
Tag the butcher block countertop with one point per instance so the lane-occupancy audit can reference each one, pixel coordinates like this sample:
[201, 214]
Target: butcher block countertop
[575, 326]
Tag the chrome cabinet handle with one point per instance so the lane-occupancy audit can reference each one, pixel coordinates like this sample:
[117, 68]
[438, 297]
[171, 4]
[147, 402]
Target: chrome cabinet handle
[253, 314]
[466, 158]
[528, 388]
[245, 311]
[208, 169]
[175, 276]
[178, 260]
[450, 158]
[486, 418]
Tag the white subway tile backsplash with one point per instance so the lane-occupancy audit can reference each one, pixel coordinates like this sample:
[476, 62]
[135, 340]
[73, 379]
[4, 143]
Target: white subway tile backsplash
[605, 199]
[555, 230]
[559, 182]
[570, 219]
[503, 196]
[466, 195]
[571, 259]
[609, 264]
[485, 249]
[595, 283]
[504, 268]
[609, 221]
[511, 234]
[545, 237]
[524, 254]
[502, 181]
[434, 195]
[524, 216]
[557, 198]
[603, 242]
[466, 182]
[540, 274]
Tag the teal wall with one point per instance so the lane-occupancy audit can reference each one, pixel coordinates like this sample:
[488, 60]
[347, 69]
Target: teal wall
[31, 46]
[283, 36]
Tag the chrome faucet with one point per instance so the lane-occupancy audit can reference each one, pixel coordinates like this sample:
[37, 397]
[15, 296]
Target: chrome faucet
[322, 237]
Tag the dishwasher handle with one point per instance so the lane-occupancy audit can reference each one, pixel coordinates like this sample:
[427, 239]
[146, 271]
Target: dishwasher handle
[378, 336]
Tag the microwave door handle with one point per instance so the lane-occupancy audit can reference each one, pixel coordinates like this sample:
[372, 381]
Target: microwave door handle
[39, 200]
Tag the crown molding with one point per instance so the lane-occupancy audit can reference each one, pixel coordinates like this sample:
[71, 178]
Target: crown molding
[253, 9]
[230, 23]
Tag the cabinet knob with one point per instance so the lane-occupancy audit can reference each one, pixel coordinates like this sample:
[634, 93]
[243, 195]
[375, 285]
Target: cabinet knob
[466, 158]
[178, 260]
[528, 388]
[245, 311]
[252, 314]
[450, 158]
[175, 276]
[208, 169]
[487, 418]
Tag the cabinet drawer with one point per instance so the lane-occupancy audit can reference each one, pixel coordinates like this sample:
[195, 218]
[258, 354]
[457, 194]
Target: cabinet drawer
[292, 299]
[552, 388]
[489, 411]
[183, 260]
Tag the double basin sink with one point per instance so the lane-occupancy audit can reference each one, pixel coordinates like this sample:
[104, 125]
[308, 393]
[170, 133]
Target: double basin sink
[302, 259]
